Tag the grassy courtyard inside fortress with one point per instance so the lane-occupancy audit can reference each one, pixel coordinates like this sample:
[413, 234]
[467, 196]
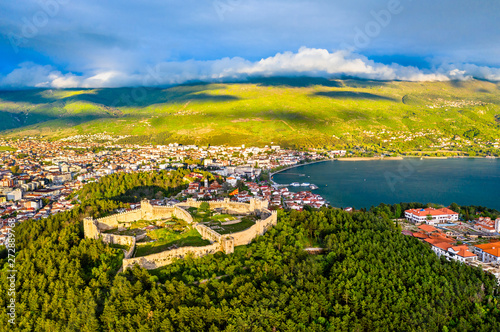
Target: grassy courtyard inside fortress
[166, 234]
[222, 223]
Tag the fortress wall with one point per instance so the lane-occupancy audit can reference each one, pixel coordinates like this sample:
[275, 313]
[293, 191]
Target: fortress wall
[113, 221]
[190, 203]
[270, 221]
[140, 237]
[167, 257]
[91, 230]
[208, 233]
[156, 213]
[182, 214]
[246, 236]
[121, 239]
[160, 212]
[260, 228]
[232, 207]
[255, 205]
[163, 212]
[225, 243]
[118, 239]
[130, 252]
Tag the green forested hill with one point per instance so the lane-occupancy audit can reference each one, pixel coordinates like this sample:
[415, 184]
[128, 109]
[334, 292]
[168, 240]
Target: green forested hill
[370, 278]
[288, 111]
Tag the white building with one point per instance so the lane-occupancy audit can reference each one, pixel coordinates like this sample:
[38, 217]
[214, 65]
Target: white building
[232, 181]
[488, 252]
[431, 216]
[487, 225]
[459, 253]
[15, 195]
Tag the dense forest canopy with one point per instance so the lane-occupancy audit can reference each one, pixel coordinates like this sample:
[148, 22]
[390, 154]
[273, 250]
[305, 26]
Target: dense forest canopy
[369, 278]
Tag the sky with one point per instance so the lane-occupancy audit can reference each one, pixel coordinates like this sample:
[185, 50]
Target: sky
[69, 43]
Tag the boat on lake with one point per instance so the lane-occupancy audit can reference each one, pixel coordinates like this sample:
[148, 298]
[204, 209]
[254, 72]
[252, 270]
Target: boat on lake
[295, 184]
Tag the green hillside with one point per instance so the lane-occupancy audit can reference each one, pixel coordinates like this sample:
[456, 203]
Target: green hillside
[286, 111]
[369, 277]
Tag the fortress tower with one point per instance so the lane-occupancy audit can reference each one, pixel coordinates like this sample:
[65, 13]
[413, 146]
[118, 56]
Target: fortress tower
[227, 244]
[90, 228]
[146, 209]
[258, 205]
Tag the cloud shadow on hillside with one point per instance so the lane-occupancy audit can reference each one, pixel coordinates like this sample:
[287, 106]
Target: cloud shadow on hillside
[456, 83]
[121, 97]
[363, 83]
[352, 95]
[13, 121]
[294, 82]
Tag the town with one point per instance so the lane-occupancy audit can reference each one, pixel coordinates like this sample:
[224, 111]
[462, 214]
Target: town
[40, 178]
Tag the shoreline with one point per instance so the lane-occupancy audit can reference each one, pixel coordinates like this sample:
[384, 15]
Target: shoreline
[368, 158]
[297, 165]
[271, 174]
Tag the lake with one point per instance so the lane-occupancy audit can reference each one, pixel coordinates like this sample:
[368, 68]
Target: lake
[471, 181]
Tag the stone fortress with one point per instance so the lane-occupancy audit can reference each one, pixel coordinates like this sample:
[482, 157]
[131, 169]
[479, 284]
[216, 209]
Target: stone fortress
[94, 228]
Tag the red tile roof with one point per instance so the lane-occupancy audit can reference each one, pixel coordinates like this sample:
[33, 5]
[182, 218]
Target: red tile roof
[431, 211]
[465, 253]
[427, 228]
[420, 235]
[437, 239]
[442, 245]
[487, 246]
[495, 251]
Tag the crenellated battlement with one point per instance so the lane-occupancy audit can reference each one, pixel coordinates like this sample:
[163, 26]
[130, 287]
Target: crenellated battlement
[93, 229]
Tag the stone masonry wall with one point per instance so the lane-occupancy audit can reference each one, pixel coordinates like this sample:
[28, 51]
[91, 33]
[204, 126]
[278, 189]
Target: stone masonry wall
[114, 221]
[225, 243]
[260, 228]
[208, 233]
[231, 207]
[90, 228]
[118, 239]
[92, 231]
[167, 257]
[145, 213]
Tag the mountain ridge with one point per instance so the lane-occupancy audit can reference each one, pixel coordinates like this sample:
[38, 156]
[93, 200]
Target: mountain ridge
[300, 111]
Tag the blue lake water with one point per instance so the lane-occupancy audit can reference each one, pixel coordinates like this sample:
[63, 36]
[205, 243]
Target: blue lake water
[365, 183]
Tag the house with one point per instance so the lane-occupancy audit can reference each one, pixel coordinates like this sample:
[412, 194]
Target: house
[420, 235]
[193, 188]
[462, 254]
[488, 252]
[431, 216]
[459, 253]
[487, 225]
[215, 188]
[232, 181]
[7, 182]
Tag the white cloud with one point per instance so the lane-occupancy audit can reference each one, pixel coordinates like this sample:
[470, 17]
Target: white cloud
[306, 62]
